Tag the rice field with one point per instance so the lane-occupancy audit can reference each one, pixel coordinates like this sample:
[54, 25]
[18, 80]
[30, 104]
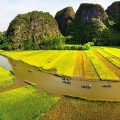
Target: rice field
[103, 71]
[25, 103]
[75, 109]
[28, 103]
[83, 65]
[110, 57]
[6, 78]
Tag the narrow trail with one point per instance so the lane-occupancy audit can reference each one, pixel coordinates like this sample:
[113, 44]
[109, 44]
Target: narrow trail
[111, 66]
[57, 87]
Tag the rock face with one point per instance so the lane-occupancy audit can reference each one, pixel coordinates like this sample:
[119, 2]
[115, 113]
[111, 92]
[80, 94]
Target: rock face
[114, 10]
[88, 11]
[34, 27]
[90, 21]
[64, 18]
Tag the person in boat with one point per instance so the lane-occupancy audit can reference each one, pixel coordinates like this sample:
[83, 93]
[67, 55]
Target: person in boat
[66, 79]
[109, 85]
[29, 70]
[87, 86]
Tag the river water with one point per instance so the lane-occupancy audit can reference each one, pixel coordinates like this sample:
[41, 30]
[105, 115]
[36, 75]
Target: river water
[4, 62]
[55, 85]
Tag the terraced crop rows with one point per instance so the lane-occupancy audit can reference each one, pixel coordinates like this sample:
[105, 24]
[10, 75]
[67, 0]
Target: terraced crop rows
[113, 51]
[78, 71]
[110, 57]
[103, 71]
[111, 66]
[88, 65]
[89, 70]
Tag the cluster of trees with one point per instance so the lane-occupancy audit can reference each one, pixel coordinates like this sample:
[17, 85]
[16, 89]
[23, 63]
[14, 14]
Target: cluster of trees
[4, 42]
[94, 31]
[92, 24]
[78, 47]
[31, 44]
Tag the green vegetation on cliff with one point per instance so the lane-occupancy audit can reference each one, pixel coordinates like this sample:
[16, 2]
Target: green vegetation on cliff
[64, 18]
[39, 30]
[34, 30]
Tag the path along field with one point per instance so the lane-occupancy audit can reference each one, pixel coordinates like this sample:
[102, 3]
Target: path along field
[83, 65]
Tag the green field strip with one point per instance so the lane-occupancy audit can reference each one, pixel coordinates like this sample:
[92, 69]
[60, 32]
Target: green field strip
[110, 65]
[113, 51]
[17, 55]
[24, 103]
[110, 57]
[115, 54]
[66, 65]
[103, 71]
[51, 65]
[78, 71]
[41, 59]
[90, 71]
[6, 78]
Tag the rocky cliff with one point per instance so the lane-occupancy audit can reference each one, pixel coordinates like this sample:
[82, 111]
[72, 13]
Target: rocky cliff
[90, 20]
[32, 28]
[64, 18]
[113, 10]
[88, 11]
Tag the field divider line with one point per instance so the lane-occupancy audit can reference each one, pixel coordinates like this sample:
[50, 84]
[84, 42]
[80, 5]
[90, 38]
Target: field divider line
[108, 59]
[115, 57]
[93, 67]
[109, 62]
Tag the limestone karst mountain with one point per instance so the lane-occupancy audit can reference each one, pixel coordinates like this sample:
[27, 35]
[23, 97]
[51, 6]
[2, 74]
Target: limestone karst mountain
[32, 29]
[64, 18]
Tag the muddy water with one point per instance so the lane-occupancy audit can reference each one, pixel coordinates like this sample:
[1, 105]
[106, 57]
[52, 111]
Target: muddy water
[55, 85]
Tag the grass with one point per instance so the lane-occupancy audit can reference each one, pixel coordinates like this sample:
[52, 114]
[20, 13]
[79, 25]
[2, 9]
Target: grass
[75, 109]
[6, 78]
[103, 71]
[24, 103]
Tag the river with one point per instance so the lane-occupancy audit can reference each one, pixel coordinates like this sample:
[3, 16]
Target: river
[55, 85]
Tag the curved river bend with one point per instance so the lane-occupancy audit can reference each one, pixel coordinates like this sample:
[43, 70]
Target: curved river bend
[55, 85]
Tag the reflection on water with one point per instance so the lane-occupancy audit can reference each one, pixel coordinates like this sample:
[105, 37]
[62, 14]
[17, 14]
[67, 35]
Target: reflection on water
[4, 62]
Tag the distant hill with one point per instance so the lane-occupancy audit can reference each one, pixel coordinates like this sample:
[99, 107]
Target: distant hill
[93, 24]
[64, 18]
[33, 30]
[39, 30]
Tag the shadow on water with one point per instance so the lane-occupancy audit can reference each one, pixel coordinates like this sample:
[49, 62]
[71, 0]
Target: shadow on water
[56, 86]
